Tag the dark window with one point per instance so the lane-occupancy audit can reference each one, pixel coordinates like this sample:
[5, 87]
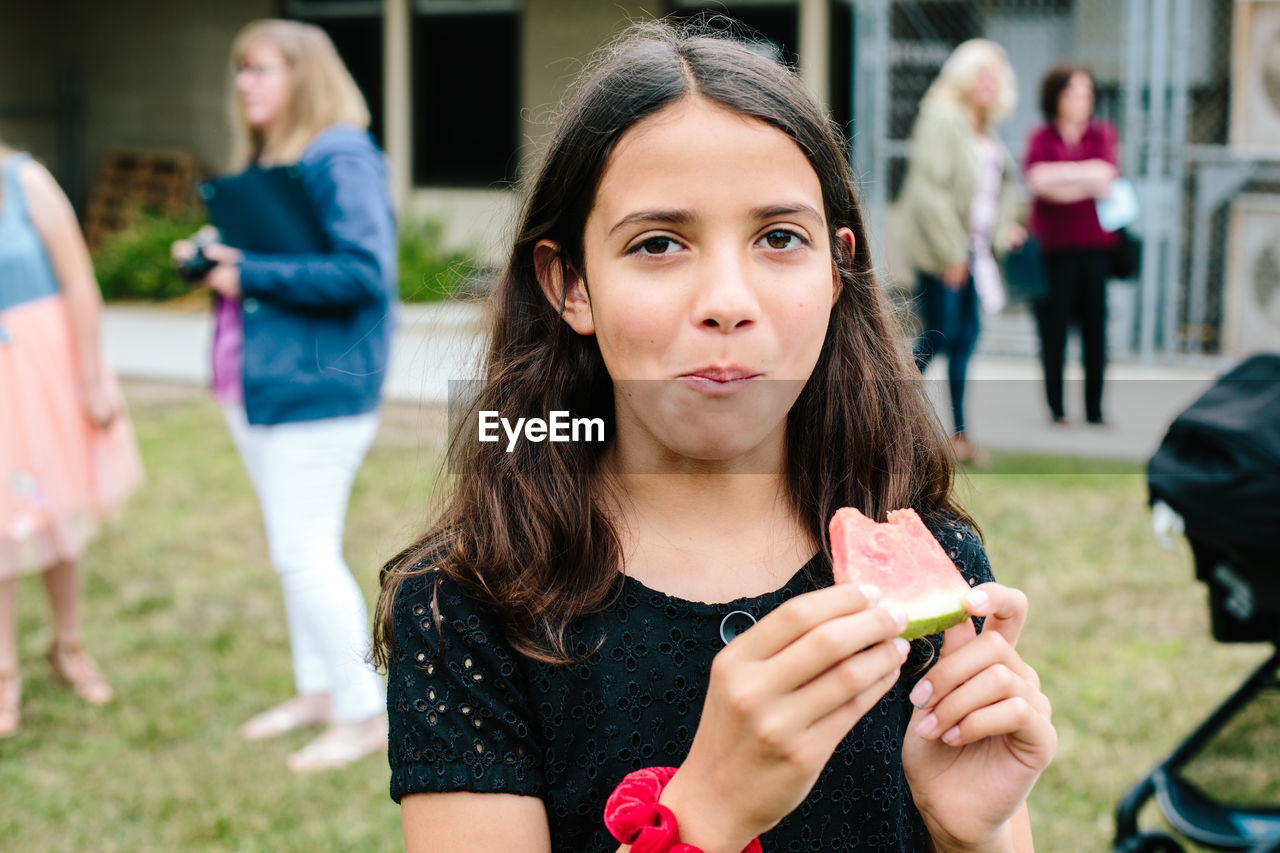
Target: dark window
[356, 31]
[774, 23]
[465, 98]
[359, 43]
[841, 45]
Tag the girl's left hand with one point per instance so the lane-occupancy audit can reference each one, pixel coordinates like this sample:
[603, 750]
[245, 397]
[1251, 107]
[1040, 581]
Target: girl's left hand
[224, 278]
[981, 732]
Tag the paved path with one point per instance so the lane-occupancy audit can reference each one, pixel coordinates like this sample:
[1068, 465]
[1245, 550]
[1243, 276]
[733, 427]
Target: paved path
[437, 343]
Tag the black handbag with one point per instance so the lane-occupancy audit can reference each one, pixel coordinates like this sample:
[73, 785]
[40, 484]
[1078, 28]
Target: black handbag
[1126, 256]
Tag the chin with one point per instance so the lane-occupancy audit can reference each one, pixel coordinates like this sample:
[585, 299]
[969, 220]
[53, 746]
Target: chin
[722, 442]
[257, 117]
[743, 426]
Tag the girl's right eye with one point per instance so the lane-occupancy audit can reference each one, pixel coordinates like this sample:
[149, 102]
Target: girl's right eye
[654, 246]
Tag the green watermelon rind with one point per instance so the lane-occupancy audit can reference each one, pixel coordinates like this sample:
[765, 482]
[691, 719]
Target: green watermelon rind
[923, 626]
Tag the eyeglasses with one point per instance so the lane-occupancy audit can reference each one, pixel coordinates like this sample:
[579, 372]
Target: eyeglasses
[267, 69]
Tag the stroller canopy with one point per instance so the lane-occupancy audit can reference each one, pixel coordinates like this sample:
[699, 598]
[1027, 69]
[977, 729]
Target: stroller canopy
[1219, 463]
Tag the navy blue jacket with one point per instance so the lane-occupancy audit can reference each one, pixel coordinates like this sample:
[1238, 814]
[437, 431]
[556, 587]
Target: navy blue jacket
[317, 328]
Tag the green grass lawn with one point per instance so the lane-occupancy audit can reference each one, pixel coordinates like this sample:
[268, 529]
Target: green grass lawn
[184, 614]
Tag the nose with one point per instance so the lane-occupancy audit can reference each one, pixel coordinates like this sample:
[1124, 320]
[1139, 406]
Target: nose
[727, 299]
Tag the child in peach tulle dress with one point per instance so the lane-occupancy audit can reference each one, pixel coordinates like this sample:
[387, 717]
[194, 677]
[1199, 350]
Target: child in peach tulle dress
[67, 451]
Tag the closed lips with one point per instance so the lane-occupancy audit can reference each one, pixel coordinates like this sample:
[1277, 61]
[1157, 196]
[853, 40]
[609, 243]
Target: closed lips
[717, 382]
[719, 374]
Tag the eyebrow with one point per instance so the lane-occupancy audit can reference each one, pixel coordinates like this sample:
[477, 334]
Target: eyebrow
[682, 217]
[770, 211]
[674, 217]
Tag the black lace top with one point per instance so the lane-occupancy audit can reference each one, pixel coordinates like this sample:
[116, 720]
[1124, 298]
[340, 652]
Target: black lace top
[481, 717]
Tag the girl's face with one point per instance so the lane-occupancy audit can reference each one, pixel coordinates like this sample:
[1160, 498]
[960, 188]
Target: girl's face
[1075, 104]
[709, 283]
[264, 82]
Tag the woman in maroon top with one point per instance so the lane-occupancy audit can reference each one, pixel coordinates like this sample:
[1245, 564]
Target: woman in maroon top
[1070, 163]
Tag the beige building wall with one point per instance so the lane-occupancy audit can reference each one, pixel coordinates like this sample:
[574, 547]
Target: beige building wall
[158, 74]
[559, 37]
[152, 74]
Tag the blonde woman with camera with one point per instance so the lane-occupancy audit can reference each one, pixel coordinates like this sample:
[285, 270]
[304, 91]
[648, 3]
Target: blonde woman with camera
[299, 355]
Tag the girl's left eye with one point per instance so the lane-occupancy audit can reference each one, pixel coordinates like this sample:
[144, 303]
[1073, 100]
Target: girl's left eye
[780, 238]
[655, 246]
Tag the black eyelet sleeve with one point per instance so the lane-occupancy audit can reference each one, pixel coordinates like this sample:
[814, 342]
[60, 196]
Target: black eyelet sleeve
[456, 709]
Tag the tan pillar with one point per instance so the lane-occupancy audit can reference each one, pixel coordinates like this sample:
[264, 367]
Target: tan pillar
[814, 50]
[397, 132]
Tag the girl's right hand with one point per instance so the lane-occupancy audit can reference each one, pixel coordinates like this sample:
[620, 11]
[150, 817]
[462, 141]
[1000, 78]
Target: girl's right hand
[182, 250]
[781, 697]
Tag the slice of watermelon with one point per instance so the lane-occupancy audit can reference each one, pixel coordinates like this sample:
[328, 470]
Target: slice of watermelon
[902, 558]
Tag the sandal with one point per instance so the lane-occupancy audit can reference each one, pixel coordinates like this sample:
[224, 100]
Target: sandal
[73, 666]
[10, 697]
[340, 745]
[968, 453]
[296, 713]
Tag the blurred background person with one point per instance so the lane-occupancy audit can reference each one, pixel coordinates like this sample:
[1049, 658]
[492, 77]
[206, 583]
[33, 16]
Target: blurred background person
[67, 452]
[1070, 163]
[958, 207]
[299, 355]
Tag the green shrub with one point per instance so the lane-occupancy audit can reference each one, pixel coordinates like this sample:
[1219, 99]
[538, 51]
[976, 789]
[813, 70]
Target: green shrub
[135, 264]
[428, 271]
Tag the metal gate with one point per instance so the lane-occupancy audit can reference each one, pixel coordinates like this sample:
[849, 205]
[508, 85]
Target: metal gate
[1165, 76]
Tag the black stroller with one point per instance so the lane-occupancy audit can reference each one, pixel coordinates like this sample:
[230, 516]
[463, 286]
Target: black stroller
[1219, 469]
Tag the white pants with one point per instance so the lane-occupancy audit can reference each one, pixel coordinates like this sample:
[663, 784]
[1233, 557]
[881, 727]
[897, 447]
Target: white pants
[302, 473]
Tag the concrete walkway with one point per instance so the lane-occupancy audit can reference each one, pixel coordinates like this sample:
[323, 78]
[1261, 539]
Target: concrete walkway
[440, 342]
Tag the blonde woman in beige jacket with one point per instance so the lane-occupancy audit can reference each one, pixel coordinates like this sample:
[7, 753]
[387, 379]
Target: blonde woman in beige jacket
[958, 208]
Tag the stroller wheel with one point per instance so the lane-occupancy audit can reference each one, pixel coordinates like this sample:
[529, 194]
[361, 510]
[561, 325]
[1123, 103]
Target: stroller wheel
[1149, 842]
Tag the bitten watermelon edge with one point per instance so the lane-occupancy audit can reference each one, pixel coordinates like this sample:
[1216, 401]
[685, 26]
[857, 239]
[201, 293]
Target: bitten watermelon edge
[904, 560]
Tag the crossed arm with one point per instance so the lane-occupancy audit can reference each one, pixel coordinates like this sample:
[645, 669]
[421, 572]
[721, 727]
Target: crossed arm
[1069, 180]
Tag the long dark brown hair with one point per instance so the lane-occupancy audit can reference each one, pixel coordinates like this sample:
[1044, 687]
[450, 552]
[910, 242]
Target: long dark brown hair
[526, 531]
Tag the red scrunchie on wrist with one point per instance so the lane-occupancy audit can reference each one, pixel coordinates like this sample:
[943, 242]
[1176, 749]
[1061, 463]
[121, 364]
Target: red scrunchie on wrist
[634, 816]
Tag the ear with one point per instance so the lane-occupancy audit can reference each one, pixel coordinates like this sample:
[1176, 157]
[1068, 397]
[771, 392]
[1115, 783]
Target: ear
[560, 282]
[843, 250]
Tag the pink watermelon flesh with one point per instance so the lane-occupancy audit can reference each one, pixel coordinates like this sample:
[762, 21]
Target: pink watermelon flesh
[902, 558]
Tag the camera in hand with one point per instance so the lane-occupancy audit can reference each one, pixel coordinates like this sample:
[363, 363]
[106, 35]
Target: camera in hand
[196, 267]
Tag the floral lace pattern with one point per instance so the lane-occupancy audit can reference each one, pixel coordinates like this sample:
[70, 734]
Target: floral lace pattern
[477, 716]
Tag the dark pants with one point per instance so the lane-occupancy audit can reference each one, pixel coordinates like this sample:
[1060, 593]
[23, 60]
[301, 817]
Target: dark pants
[1077, 292]
[950, 327]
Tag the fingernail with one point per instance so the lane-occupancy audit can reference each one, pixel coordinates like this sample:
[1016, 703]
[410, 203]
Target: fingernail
[920, 694]
[870, 593]
[952, 735]
[899, 616]
[903, 647]
[927, 725]
[977, 599]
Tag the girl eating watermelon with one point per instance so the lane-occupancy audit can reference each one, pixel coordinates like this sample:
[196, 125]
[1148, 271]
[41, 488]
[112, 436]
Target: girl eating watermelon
[638, 641]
